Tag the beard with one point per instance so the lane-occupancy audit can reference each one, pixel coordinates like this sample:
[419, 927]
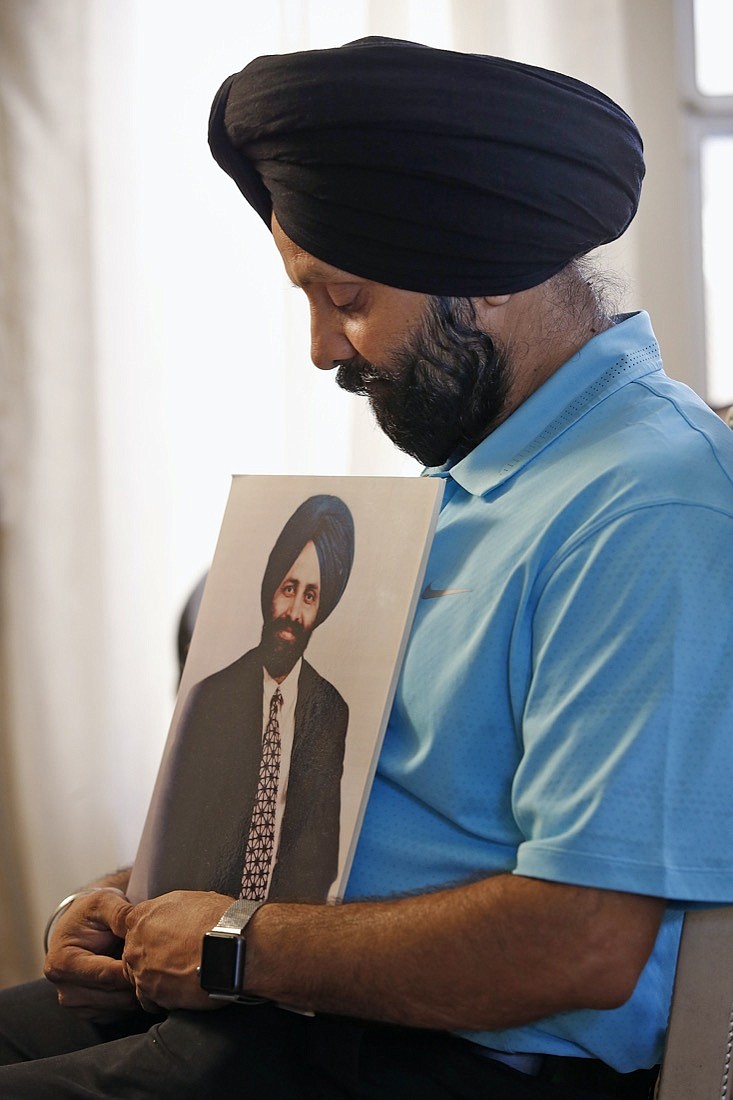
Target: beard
[280, 655]
[443, 392]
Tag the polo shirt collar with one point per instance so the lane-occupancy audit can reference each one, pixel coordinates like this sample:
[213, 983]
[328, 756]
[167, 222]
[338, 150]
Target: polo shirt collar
[622, 354]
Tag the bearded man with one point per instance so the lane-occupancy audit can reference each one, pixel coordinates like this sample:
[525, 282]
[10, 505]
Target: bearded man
[250, 800]
[553, 788]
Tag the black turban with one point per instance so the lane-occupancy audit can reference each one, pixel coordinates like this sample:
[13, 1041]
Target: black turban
[327, 522]
[429, 170]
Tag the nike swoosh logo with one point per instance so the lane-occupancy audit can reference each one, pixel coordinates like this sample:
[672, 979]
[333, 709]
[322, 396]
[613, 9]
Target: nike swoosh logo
[430, 593]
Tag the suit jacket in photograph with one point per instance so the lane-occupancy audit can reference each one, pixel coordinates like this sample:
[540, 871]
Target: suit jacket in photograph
[210, 783]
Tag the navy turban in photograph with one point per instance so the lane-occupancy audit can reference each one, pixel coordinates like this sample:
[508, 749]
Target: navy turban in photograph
[429, 170]
[327, 522]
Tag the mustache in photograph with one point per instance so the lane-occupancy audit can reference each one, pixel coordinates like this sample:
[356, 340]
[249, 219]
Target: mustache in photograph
[284, 622]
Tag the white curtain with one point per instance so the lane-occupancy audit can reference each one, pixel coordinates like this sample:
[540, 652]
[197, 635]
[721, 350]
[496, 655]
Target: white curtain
[151, 347]
[53, 630]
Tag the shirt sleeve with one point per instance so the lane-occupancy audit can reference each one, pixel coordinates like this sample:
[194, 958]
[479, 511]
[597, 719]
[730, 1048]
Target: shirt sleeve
[626, 776]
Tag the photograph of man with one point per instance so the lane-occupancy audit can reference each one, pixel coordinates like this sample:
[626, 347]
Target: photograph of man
[251, 797]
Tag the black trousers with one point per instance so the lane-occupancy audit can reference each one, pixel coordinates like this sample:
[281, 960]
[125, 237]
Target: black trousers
[48, 1053]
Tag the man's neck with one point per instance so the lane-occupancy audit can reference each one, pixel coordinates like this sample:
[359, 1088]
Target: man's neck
[542, 328]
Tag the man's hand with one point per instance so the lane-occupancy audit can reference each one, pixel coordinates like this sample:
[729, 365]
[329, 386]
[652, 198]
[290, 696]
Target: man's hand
[83, 957]
[163, 947]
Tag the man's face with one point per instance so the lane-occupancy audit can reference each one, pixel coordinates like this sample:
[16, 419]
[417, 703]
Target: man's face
[437, 384]
[287, 630]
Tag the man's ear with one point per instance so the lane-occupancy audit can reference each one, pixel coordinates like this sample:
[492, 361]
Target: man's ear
[488, 309]
[494, 299]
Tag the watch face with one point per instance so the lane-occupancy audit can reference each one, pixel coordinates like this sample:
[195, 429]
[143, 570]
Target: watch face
[222, 963]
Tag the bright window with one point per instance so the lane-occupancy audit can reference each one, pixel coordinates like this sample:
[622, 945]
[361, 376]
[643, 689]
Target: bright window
[716, 168]
[707, 32]
[713, 28]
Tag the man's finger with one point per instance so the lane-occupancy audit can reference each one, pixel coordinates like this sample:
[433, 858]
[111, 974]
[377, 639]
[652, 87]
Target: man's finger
[85, 969]
[147, 1005]
[111, 910]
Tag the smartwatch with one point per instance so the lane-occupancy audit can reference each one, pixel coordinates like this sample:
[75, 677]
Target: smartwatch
[224, 951]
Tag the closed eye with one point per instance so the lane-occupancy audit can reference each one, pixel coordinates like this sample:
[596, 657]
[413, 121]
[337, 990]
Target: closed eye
[347, 308]
[346, 299]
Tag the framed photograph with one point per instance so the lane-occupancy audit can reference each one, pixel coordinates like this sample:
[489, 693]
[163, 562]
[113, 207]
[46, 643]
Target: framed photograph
[287, 687]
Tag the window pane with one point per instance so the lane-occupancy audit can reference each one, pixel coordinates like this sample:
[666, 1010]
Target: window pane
[717, 242]
[713, 34]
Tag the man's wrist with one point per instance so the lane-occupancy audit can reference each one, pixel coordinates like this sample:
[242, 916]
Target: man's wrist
[117, 879]
[223, 954]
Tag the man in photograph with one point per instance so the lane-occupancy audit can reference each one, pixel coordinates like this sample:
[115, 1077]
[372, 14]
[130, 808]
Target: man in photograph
[249, 802]
[554, 784]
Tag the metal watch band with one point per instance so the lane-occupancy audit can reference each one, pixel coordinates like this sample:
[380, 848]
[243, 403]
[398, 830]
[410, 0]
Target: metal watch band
[238, 915]
[232, 923]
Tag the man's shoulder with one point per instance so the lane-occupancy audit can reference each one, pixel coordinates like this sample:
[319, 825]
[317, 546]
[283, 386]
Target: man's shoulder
[239, 670]
[312, 684]
[671, 444]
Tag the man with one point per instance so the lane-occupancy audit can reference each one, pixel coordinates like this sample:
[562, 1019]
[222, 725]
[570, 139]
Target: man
[554, 783]
[279, 836]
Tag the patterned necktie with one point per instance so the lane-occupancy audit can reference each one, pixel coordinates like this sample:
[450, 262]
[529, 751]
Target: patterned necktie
[261, 839]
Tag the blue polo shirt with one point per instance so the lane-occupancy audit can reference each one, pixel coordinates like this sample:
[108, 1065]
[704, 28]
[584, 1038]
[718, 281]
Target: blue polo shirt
[565, 708]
